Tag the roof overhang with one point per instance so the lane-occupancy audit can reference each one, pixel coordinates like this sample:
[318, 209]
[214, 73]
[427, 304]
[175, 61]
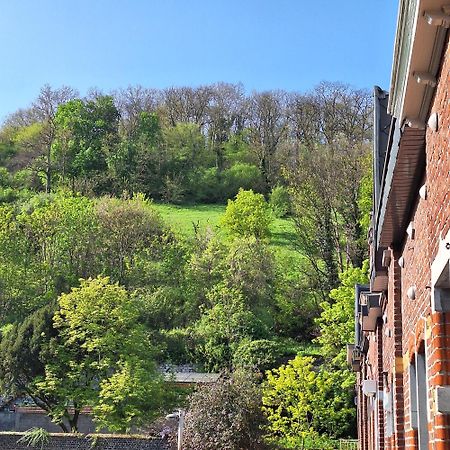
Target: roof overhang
[402, 182]
[418, 50]
[419, 45]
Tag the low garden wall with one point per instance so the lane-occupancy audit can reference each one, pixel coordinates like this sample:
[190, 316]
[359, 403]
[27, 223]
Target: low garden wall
[63, 441]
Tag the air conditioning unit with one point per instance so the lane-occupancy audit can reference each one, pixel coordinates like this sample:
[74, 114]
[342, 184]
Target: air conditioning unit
[369, 387]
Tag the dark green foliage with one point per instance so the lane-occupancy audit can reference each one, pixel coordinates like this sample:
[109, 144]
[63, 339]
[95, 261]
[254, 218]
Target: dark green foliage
[222, 327]
[87, 135]
[280, 201]
[178, 345]
[261, 355]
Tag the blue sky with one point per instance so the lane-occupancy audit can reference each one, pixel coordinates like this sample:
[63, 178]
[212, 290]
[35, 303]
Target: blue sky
[265, 44]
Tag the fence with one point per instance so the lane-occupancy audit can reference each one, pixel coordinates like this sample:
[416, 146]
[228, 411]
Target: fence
[348, 444]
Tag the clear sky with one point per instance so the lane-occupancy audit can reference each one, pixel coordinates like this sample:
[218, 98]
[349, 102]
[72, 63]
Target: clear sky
[265, 44]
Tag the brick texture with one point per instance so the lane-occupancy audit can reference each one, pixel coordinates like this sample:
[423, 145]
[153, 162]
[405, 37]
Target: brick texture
[8, 441]
[410, 326]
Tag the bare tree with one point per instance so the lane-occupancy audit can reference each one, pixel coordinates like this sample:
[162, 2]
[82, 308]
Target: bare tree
[225, 116]
[44, 110]
[131, 102]
[268, 126]
[329, 130]
[187, 104]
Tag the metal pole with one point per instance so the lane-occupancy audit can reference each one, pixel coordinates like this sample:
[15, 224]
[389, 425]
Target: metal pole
[180, 427]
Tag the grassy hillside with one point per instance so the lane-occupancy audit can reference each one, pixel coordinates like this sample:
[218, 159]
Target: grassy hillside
[182, 219]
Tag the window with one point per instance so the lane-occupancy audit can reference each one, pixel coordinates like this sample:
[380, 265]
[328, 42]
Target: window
[419, 399]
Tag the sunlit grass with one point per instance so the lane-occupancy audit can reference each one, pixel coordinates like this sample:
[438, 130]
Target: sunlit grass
[184, 219]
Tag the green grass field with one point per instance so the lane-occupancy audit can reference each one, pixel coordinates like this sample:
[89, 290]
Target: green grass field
[183, 218]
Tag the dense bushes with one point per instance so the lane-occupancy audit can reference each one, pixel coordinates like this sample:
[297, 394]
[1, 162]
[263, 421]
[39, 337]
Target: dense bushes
[225, 415]
[248, 215]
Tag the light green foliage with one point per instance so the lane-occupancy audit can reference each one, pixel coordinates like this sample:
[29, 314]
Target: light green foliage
[35, 437]
[100, 343]
[240, 176]
[28, 136]
[63, 230]
[337, 320]
[287, 396]
[132, 395]
[184, 146]
[25, 286]
[53, 240]
[247, 215]
[301, 400]
[184, 151]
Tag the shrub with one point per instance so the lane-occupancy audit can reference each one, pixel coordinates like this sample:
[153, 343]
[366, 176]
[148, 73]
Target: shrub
[240, 176]
[221, 328]
[176, 341]
[302, 401]
[260, 354]
[247, 215]
[280, 201]
[205, 185]
[225, 415]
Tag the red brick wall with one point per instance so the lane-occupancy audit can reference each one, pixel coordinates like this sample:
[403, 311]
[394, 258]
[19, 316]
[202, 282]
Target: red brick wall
[432, 222]
[410, 322]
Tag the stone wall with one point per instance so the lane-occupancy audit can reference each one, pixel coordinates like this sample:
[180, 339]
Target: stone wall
[22, 419]
[61, 441]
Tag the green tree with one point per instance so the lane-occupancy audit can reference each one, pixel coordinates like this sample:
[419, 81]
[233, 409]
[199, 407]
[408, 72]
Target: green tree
[23, 278]
[24, 351]
[240, 175]
[280, 201]
[62, 233]
[129, 228]
[302, 401]
[184, 153]
[222, 327]
[337, 319]
[100, 356]
[87, 138]
[247, 215]
[250, 267]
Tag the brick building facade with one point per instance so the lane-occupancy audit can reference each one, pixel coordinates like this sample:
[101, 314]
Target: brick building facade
[402, 318]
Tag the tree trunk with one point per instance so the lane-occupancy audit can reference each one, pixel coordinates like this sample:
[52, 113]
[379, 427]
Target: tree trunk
[48, 173]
